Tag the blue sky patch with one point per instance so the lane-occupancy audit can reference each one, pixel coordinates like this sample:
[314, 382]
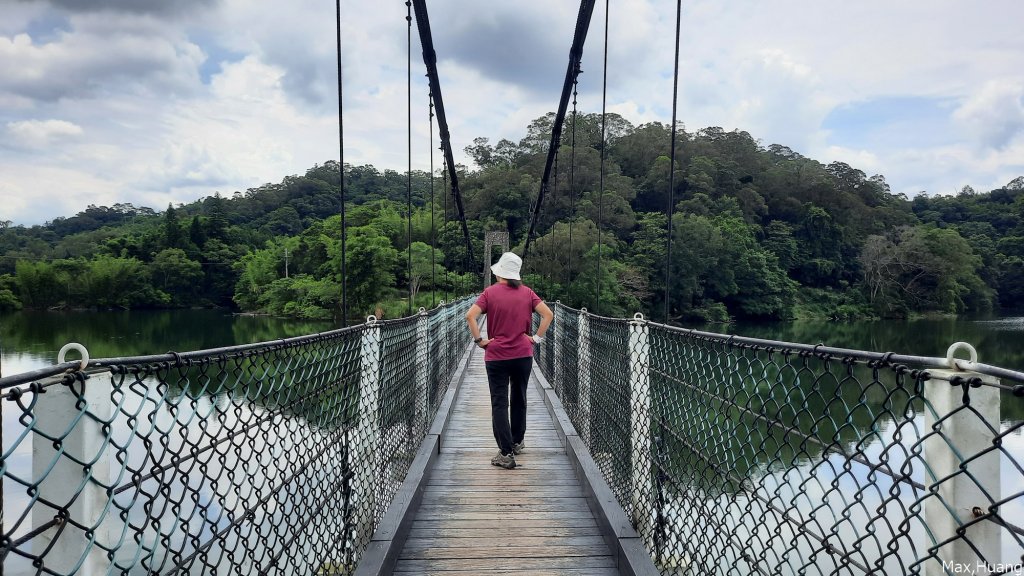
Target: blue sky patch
[47, 28]
[892, 122]
[216, 56]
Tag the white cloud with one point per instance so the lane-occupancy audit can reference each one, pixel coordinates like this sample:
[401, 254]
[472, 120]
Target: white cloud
[33, 195]
[863, 160]
[994, 115]
[168, 102]
[102, 55]
[40, 133]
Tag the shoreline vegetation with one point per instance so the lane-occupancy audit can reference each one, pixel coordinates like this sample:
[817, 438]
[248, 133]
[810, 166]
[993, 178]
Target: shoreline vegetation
[759, 232]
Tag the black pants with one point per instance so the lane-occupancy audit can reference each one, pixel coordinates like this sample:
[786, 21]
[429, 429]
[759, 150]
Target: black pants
[501, 373]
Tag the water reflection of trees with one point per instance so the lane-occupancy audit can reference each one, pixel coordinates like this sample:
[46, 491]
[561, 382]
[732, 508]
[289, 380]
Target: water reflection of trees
[233, 433]
[725, 415]
[318, 382]
[131, 333]
[998, 341]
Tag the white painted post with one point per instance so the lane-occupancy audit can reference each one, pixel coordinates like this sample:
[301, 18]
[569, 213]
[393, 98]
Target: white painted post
[640, 428]
[446, 337]
[961, 436]
[557, 364]
[74, 415]
[364, 459]
[583, 364]
[424, 361]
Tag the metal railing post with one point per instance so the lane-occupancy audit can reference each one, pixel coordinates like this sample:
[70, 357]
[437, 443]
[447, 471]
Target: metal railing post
[584, 376]
[424, 361]
[556, 362]
[963, 422]
[366, 454]
[640, 428]
[71, 460]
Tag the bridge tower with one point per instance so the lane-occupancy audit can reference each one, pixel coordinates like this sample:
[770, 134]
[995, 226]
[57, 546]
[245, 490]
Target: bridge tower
[491, 239]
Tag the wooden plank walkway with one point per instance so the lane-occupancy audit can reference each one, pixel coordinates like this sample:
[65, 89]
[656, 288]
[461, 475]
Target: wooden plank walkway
[476, 518]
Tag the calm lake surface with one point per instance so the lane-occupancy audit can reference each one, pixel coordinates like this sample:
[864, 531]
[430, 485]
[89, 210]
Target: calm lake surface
[30, 340]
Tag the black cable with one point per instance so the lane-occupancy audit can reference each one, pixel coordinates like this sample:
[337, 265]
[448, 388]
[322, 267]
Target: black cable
[341, 175]
[604, 146]
[430, 60]
[572, 178]
[433, 234]
[672, 164]
[444, 225]
[575, 54]
[408, 179]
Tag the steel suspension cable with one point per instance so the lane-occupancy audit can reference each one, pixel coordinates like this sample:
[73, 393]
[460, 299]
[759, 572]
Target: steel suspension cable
[408, 178]
[430, 60]
[573, 70]
[341, 174]
[433, 234]
[444, 226]
[554, 190]
[604, 146]
[572, 177]
[672, 163]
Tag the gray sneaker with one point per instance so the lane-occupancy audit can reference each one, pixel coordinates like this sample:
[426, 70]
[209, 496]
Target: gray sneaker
[507, 461]
[517, 448]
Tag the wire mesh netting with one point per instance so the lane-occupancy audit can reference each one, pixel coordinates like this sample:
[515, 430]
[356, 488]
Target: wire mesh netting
[741, 456]
[271, 458]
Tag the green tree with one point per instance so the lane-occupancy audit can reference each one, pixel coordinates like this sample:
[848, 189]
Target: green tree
[219, 272]
[176, 275]
[370, 260]
[197, 233]
[112, 282]
[301, 296]
[39, 285]
[8, 300]
[217, 219]
[502, 197]
[174, 236]
[647, 255]
[556, 260]
[426, 267]
[923, 268]
[779, 240]
[1011, 283]
[258, 269]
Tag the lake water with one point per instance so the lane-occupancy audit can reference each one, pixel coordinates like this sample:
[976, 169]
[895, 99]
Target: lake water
[30, 340]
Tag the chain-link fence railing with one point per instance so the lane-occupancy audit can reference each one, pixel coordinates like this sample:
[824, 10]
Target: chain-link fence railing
[743, 456]
[271, 458]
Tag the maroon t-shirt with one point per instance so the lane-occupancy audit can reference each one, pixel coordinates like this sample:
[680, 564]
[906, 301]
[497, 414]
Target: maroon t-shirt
[509, 316]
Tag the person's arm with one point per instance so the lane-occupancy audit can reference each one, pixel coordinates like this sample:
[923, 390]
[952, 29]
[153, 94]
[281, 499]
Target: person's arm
[546, 316]
[474, 328]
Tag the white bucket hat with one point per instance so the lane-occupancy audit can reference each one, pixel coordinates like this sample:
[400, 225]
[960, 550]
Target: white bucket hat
[508, 266]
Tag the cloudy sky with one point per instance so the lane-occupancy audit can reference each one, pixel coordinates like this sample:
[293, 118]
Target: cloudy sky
[158, 101]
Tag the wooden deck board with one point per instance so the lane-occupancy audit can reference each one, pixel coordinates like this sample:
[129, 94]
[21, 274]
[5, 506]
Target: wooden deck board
[504, 562]
[535, 572]
[476, 518]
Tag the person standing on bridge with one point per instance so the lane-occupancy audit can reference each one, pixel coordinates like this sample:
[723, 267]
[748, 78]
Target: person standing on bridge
[508, 351]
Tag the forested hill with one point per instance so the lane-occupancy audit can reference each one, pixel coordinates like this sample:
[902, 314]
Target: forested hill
[758, 232]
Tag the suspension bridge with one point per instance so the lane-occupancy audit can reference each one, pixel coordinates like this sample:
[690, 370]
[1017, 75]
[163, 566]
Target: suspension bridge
[651, 449]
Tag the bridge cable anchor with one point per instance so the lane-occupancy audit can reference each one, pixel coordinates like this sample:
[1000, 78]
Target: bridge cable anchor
[74, 346]
[951, 360]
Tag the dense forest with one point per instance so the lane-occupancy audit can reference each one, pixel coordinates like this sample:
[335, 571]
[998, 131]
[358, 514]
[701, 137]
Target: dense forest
[756, 232]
